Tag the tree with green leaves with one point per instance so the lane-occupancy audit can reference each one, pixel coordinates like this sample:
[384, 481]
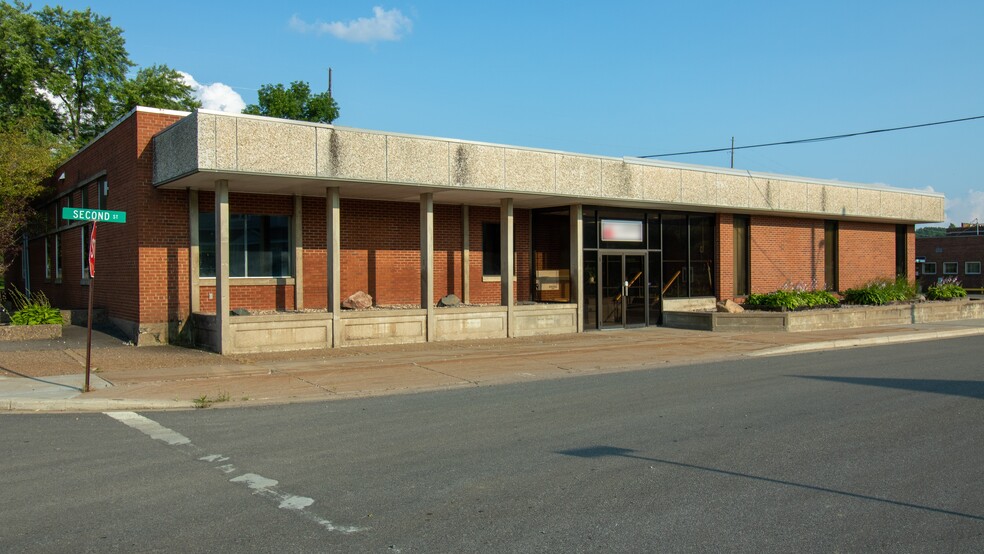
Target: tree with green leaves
[156, 86]
[84, 57]
[63, 80]
[26, 159]
[67, 70]
[295, 102]
[21, 71]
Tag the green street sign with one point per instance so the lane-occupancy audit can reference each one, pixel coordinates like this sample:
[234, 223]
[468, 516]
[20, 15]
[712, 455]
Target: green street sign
[85, 214]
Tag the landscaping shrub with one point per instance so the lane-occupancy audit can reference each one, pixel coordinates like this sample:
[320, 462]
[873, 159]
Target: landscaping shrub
[946, 289]
[792, 299]
[35, 310]
[882, 291]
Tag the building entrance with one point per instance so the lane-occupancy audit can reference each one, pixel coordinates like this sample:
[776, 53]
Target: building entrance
[623, 290]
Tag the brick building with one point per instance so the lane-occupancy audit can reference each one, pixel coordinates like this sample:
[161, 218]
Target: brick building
[285, 219]
[959, 254]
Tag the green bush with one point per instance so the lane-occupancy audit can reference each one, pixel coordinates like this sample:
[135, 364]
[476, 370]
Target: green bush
[792, 299]
[882, 291]
[946, 289]
[35, 310]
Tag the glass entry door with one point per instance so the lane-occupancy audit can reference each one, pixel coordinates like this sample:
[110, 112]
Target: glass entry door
[623, 290]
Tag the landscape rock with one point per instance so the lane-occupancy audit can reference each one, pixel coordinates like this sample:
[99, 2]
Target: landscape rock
[358, 301]
[730, 307]
[449, 300]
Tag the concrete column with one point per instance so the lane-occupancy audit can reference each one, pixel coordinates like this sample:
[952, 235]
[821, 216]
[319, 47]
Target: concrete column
[465, 257]
[298, 239]
[506, 262]
[193, 252]
[334, 244]
[577, 262]
[222, 306]
[427, 260]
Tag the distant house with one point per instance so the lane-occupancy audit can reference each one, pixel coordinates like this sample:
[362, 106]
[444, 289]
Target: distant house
[959, 254]
[282, 220]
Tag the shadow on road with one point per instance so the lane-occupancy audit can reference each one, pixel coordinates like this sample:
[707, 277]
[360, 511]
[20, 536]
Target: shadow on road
[970, 389]
[614, 451]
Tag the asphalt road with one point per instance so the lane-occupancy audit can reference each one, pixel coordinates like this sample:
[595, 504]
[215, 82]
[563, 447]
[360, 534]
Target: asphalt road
[875, 449]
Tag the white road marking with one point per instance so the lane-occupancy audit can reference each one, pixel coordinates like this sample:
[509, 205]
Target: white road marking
[260, 485]
[150, 428]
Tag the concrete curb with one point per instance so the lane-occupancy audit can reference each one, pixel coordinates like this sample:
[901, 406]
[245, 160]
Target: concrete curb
[89, 404]
[868, 341]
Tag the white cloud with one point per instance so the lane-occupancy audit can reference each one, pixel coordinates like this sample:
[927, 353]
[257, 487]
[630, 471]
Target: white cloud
[964, 209]
[384, 25]
[216, 96]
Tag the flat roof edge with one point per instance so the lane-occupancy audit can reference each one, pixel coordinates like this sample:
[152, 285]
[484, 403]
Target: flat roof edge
[625, 159]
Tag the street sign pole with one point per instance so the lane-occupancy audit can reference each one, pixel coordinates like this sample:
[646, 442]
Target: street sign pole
[92, 286]
[95, 216]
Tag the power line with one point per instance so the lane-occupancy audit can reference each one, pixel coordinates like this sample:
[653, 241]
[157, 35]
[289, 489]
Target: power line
[816, 139]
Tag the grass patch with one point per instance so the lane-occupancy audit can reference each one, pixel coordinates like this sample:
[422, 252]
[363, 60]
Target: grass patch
[204, 401]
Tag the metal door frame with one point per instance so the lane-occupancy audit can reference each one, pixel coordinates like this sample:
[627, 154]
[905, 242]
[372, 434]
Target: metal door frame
[644, 254]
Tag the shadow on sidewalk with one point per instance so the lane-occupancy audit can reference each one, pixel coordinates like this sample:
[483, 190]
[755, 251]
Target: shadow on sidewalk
[40, 380]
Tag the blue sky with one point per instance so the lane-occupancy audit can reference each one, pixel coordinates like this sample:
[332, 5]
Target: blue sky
[616, 78]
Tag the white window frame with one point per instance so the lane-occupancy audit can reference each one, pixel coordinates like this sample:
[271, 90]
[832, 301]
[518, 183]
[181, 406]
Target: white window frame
[926, 266]
[967, 270]
[955, 265]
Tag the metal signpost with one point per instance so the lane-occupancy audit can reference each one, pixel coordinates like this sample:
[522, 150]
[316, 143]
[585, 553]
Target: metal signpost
[95, 216]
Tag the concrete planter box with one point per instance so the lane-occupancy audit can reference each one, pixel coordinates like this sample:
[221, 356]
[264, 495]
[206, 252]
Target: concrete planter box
[819, 320]
[300, 331]
[30, 332]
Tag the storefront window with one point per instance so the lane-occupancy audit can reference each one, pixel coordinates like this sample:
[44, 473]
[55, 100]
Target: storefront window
[259, 245]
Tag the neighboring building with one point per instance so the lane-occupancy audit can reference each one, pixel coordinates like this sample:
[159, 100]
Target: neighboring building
[959, 255]
[232, 211]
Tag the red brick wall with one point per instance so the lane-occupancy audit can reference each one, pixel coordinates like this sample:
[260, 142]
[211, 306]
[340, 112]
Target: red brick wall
[952, 249]
[784, 251]
[867, 251]
[490, 292]
[251, 297]
[724, 268]
[161, 218]
[124, 154]
[381, 252]
[315, 262]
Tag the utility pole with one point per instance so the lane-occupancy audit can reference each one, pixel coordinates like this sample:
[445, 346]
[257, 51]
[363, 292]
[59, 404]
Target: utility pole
[329, 81]
[732, 152]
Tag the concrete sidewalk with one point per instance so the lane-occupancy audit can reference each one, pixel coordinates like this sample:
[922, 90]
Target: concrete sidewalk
[47, 375]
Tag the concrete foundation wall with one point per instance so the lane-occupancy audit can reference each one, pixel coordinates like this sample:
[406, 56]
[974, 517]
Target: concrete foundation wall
[475, 323]
[545, 320]
[382, 327]
[300, 331]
